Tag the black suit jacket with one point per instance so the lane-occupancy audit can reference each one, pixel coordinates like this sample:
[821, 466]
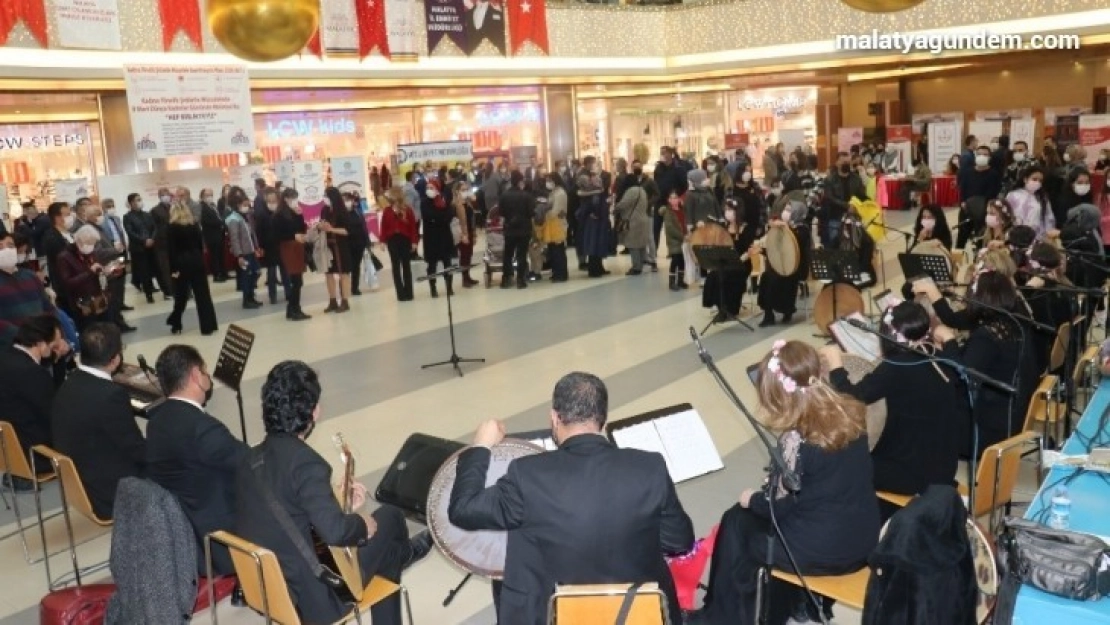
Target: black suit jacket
[300, 480]
[193, 455]
[26, 397]
[588, 513]
[94, 425]
[493, 28]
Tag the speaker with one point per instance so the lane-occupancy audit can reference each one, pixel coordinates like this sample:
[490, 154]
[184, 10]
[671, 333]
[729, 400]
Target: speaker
[409, 478]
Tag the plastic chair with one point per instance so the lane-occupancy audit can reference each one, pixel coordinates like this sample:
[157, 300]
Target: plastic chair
[599, 604]
[73, 495]
[14, 462]
[265, 590]
[998, 472]
[894, 498]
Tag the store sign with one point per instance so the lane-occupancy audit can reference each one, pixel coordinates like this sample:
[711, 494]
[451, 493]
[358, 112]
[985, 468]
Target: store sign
[507, 115]
[779, 106]
[29, 140]
[309, 127]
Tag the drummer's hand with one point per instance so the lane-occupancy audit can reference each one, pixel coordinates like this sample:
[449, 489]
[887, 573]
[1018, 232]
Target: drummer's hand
[371, 524]
[942, 334]
[1052, 234]
[832, 356]
[928, 288]
[490, 433]
[358, 496]
[746, 497]
[1035, 282]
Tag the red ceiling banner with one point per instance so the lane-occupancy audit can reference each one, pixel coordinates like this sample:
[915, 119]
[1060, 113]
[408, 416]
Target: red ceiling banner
[315, 46]
[180, 16]
[31, 12]
[528, 22]
[372, 32]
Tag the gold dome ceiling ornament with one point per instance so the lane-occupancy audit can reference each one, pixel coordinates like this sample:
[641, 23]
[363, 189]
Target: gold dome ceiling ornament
[882, 6]
[263, 30]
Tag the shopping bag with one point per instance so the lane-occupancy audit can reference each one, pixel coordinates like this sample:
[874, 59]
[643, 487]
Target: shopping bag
[692, 273]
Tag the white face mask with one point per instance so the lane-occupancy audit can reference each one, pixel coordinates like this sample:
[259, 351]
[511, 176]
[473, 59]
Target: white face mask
[291, 203]
[432, 193]
[23, 258]
[711, 168]
[244, 209]
[956, 162]
[69, 220]
[1081, 189]
[982, 160]
[550, 185]
[1067, 157]
[871, 171]
[165, 199]
[928, 224]
[349, 204]
[9, 258]
[730, 214]
[1019, 157]
[86, 249]
[992, 221]
[207, 199]
[994, 146]
[111, 212]
[746, 176]
[1033, 186]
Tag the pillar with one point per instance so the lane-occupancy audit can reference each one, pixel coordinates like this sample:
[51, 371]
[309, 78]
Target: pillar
[560, 123]
[119, 143]
[828, 115]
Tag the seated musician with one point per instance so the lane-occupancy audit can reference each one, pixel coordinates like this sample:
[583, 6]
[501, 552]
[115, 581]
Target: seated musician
[724, 290]
[854, 238]
[999, 220]
[92, 419]
[997, 261]
[1043, 277]
[920, 441]
[1020, 241]
[779, 294]
[588, 513]
[830, 525]
[1082, 234]
[192, 454]
[284, 471]
[931, 224]
[27, 391]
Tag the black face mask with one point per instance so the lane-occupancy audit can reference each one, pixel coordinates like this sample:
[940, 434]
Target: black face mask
[845, 169]
[637, 171]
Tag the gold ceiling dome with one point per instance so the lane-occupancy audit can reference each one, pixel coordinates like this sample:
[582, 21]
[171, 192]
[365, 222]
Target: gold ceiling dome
[882, 6]
[263, 30]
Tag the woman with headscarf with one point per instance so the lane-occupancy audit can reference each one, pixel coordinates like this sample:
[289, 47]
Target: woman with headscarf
[778, 293]
[724, 290]
[1049, 304]
[439, 243]
[635, 233]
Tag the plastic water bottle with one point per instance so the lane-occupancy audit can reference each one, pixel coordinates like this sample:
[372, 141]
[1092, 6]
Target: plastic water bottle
[1060, 516]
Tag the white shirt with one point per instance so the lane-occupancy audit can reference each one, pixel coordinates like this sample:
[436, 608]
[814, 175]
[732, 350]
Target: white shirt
[103, 375]
[480, 9]
[190, 402]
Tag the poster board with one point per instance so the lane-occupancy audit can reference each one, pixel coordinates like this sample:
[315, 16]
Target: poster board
[87, 24]
[309, 181]
[446, 152]
[283, 171]
[69, 191]
[900, 138]
[348, 174]
[243, 176]
[792, 138]
[920, 121]
[146, 185]
[846, 137]
[987, 132]
[1023, 130]
[1094, 135]
[944, 141]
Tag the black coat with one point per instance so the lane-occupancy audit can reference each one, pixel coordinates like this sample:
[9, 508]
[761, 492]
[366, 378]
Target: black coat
[26, 398]
[194, 456]
[300, 480]
[439, 245]
[186, 248]
[267, 238]
[93, 424]
[588, 513]
[517, 209]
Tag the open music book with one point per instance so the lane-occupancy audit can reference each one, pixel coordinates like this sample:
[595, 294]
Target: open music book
[855, 341]
[677, 433]
[548, 443]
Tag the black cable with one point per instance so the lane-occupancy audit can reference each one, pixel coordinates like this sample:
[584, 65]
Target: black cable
[790, 556]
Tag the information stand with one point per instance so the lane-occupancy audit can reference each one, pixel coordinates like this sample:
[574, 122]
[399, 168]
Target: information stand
[677, 433]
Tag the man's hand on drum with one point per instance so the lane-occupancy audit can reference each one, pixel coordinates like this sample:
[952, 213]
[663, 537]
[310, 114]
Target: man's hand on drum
[489, 433]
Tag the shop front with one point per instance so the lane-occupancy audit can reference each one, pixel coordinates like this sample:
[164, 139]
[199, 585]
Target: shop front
[764, 117]
[48, 162]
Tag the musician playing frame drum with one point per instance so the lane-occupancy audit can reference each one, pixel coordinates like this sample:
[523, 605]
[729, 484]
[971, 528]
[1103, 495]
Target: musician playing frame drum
[778, 292]
[725, 289]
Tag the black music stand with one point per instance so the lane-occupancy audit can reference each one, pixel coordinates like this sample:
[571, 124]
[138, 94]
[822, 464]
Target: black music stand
[835, 266]
[232, 362]
[720, 259]
[454, 360]
[933, 265]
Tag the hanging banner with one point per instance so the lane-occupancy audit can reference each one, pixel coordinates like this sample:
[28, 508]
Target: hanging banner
[899, 149]
[484, 21]
[31, 12]
[440, 152]
[147, 184]
[944, 141]
[846, 137]
[183, 110]
[1094, 135]
[69, 191]
[445, 19]
[402, 23]
[348, 174]
[528, 23]
[243, 176]
[283, 171]
[372, 34]
[308, 178]
[180, 16]
[1023, 130]
[87, 24]
[339, 25]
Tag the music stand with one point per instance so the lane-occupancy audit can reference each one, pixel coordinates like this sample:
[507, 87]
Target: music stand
[833, 266]
[231, 363]
[454, 360]
[933, 265]
[720, 259]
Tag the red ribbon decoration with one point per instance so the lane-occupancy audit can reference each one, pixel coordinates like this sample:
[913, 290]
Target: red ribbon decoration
[528, 22]
[371, 28]
[31, 12]
[315, 46]
[180, 15]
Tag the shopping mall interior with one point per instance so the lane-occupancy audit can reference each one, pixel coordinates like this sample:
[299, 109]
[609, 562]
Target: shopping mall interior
[102, 99]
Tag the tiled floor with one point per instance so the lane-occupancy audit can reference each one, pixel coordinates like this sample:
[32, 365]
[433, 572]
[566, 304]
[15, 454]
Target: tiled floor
[631, 331]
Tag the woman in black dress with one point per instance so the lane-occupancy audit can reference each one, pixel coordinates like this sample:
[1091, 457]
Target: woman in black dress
[290, 229]
[725, 289]
[334, 221]
[779, 293]
[186, 252]
[439, 245]
[358, 238]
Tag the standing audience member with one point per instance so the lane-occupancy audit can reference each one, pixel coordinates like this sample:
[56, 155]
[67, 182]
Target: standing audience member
[593, 221]
[80, 219]
[1011, 176]
[399, 231]
[22, 295]
[139, 225]
[517, 211]
[26, 401]
[978, 185]
[464, 211]
[268, 246]
[1031, 203]
[161, 215]
[439, 244]
[106, 252]
[671, 176]
[359, 240]
[215, 233]
[34, 224]
[635, 236]
[413, 200]
[1077, 191]
[79, 275]
[700, 203]
[240, 236]
[333, 222]
[841, 185]
[770, 168]
[674, 223]
[55, 241]
[554, 229]
[93, 423]
[290, 229]
[186, 248]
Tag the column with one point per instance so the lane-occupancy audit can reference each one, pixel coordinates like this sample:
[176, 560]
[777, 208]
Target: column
[119, 143]
[560, 123]
[891, 108]
[828, 115]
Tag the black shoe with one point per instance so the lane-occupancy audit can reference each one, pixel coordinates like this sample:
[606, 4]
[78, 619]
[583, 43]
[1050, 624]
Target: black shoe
[355, 292]
[634, 272]
[124, 328]
[421, 546]
[167, 298]
[238, 599]
[787, 318]
[768, 319]
[522, 285]
[126, 308]
[298, 316]
[150, 299]
[252, 304]
[506, 284]
[696, 617]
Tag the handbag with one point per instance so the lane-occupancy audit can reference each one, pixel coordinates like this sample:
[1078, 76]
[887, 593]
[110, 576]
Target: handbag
[456, 230]
[92, 305]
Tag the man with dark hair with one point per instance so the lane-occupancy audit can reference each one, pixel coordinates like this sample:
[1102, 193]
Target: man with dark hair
[285, 472]
[27, 394]
[80, 219]
[589, 513]
[22, 295]
[55, 241]
[140, 227]
[517, 210]
[670, 177]
[93, 423]
[192, 454]
[841, 185]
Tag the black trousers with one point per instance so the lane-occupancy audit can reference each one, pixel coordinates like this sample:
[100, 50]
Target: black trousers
[215, 247]
[293, 299]
[386, 554]
[400, 260]
[357, 251]
[193, 280]
[115, 291]
[273, 272]
[516, 248]
[144, 264]
[557, 259]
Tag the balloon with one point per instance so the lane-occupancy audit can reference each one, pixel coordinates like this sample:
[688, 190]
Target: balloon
[882, 6]
[263, 30]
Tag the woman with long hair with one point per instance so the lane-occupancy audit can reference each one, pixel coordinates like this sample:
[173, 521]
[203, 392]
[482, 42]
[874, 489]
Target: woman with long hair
[999, 220]
[1031, 204]
[290, 230]
[439, 244]
[932, 224]
[400, 236]
[358, 239]
[831, 524]
[334, 222]
[724, 290]
[778, 293]
[186, 252]
[463, 205]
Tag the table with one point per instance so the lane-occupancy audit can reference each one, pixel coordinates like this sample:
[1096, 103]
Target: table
[1090, 513]
[889, 192]
[945, 192]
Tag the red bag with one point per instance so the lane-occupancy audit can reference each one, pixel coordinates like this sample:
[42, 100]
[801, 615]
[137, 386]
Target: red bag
[222, 586]
[84, 605]
[687, 569]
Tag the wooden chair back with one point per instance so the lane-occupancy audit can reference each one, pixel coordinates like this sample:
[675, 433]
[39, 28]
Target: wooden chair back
[1043, 406]
[998, 473]
[73, 488]
[260, 577]
[12, 459]
[1060, 347]
[599, 604]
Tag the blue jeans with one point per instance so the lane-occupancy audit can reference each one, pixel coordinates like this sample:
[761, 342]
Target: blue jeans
[247, 277]
[272, 273]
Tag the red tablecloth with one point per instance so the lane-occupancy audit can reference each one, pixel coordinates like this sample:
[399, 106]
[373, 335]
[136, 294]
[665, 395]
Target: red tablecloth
[945, 192]
[890, 192]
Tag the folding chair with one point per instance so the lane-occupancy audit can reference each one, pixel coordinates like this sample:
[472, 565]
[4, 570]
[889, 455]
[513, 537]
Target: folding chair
[998, 472]
[599, 604]
[14, 462]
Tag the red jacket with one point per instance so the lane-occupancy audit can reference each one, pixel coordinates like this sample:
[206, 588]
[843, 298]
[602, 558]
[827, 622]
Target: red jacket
[403, 224]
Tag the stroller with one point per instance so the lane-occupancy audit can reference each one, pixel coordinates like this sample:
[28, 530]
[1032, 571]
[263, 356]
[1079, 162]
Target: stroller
[494, 256]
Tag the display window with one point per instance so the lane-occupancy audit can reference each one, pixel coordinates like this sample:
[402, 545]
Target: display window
[35, 157]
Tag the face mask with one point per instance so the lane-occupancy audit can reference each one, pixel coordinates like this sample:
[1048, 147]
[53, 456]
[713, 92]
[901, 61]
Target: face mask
[272, 207]
[9, 258]
[845, 168]
[746, 176]
[1081, 189]
[994, 146]
[86, 249]
[432, 193]
[711, 168]
[928, 224]
[110, 211]
[244, 209]
[675, 203]
[207, 199]
[165, 199]
[1033, 186]
[982, 160]
[23, 258]
[992, 221]
[637, 171]
[550, 185]
[1019, 157]
[349, 204]
[730, 214]
[1067, 157]
[69, 221]
[871, 171]
[956, 162]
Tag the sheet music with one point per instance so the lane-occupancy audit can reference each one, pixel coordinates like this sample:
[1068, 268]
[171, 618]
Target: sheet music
[548, 443]
[681, 438]
[642, 436]
[855, 341]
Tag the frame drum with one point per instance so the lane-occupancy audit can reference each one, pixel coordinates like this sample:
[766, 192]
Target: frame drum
[858, 367]
[783, 254]
[848, 300]
[482, 552]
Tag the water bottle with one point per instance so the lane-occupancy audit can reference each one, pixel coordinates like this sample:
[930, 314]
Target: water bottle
[1060, 516]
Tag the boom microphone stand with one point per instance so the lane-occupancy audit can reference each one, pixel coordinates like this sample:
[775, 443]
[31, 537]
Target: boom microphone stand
[455, 359]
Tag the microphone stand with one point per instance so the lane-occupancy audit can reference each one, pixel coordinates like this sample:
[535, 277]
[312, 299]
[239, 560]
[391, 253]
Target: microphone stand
[973, 380]
[455, 359]
[908, 236]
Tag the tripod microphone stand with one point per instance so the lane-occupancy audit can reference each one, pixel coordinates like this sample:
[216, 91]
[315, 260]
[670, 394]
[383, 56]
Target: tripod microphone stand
[455, 360]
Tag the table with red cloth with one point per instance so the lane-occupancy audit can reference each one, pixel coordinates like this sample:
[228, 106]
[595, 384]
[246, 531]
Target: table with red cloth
[889, 191]
[945, 192]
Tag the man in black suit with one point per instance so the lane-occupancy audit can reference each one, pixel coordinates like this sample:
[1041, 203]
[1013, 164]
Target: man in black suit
[27, 393]
[588, 513]
[55, 241]
[192, 454]
[93, 422]
[484, 21]
[285, 472]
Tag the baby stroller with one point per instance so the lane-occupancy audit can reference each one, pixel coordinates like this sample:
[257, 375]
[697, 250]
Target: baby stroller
[494, 256]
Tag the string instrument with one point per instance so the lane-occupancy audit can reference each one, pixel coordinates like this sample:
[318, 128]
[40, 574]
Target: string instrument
[710, 234]
[342, 561]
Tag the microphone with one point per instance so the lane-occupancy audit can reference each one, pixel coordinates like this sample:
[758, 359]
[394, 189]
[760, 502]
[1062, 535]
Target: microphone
[146, 368]
[856, 323]
[963, 224]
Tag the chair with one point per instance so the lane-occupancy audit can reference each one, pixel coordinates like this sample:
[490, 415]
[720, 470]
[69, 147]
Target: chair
[1045, 406]
[14, 462]
[265, 590]
[894, 498]
[73, 495]
[599, 604]
[998, 471]
[1060, 347]
[849, 589]
[1083, 376]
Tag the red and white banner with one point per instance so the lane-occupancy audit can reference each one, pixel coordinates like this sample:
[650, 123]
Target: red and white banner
[847, 136]
[1094, 135]
[339, 25]
[372, 31]
[314, 46]
[528, 22]
[180, 16]
[183, 110]
[31, 12]
[87, 24]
